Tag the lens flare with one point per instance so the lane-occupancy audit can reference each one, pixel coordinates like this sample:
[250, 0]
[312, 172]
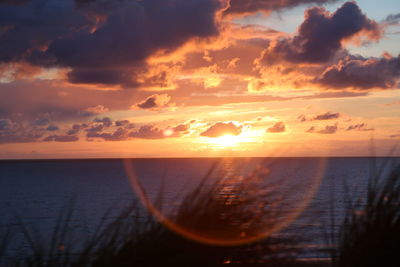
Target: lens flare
[238, 201]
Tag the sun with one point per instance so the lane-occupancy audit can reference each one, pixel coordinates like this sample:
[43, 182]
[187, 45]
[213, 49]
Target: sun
[227, 140]
[247, 139]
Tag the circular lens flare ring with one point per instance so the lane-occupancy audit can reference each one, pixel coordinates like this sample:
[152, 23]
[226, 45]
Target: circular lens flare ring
[215, 238]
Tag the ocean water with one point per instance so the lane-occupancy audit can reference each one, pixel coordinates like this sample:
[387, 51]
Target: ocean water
[36, 191]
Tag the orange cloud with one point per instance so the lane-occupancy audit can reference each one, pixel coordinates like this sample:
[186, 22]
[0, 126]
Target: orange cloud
[222, 128]
[154, 102]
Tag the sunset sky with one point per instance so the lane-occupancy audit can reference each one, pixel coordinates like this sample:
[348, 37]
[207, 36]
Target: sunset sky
[196, 78]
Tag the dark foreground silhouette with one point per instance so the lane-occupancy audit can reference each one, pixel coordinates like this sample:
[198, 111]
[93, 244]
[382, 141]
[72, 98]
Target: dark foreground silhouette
[368, 236]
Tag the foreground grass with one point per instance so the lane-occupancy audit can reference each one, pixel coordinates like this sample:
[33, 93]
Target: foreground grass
[226, 209]
[370, 232]
[369, 236]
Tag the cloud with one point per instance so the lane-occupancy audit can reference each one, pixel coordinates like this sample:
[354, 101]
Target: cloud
[359, 127]
[14, 2]
[327, 116]
[302, 118]
[321, 34]
[336, 94]
[75, 129]
[181, 128]
[311, 129]
[5, 124]
[96, 128]
[95, 110]
[238, 7]
[362, 73]
[149, 132]
[52, 128]
[153, 132]
[18, 70]
[222, 128]
[321, 117]
[58, 99]
[12, 137]
[102, 42]
[17, 131]
[41, 122]
[124, 123]
[392, 20]
[278, 127]
[99, 128]
[329, 129]
[106, 121]
[118, 135]
[35, 24]
[144, 132]
[156, 101]
[177, 130]
[61, 138]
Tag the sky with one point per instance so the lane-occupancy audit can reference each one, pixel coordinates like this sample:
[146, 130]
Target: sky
[199, 78]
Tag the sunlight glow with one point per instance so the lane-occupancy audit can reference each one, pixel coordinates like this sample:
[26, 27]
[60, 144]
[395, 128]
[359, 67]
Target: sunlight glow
[229, 141]
[226, 140]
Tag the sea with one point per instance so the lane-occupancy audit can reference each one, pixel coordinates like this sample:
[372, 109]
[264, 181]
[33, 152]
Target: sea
[318, 190]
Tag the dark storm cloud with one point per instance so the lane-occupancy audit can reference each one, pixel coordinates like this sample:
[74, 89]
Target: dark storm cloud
[362, 73]
[31, 27]
[103, 42]
[222, 128]
[321, 34]
[251, 6]
[278, 127]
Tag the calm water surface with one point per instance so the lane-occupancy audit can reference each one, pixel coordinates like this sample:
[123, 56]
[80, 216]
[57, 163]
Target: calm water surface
[37, 190]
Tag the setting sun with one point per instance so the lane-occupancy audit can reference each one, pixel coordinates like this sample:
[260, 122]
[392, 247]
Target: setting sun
[226, 140]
